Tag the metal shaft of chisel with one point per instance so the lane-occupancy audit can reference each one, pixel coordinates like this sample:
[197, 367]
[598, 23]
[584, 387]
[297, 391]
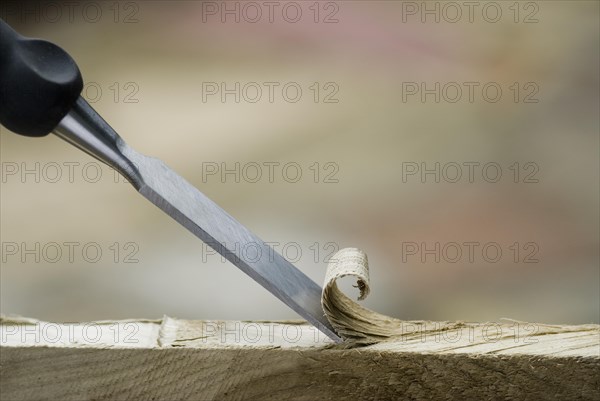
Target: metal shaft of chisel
[84, 128]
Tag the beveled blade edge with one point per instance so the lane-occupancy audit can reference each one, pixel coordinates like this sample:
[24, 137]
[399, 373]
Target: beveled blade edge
[205, 219]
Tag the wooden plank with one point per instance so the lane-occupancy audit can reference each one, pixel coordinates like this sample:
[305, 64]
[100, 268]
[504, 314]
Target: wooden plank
[172, 359]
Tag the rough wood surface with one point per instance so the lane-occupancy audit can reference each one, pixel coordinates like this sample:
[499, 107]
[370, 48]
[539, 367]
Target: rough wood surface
[171, 359]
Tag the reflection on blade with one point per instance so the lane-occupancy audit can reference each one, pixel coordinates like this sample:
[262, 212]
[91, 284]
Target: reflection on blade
[180, 200]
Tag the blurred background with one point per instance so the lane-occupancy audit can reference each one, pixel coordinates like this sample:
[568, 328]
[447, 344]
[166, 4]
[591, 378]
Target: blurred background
[352, 125]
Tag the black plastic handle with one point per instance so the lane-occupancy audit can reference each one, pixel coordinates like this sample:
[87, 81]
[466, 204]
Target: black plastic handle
[39, 83]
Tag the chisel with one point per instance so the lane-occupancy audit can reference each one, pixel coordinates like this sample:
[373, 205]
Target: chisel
[40, 93]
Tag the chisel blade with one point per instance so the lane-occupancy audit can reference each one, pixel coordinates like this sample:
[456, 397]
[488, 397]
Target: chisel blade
[205, 219]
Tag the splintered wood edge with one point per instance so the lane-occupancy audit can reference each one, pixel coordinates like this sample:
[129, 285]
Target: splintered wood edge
[508, 337]
[173, 359]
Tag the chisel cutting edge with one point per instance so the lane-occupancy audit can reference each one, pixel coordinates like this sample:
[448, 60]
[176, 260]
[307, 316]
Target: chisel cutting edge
[40, 87]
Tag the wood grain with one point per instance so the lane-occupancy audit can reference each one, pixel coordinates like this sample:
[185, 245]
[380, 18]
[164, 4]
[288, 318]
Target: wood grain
[171, 359]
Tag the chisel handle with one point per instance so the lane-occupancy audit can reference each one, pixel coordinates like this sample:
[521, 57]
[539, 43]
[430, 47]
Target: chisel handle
[40, 86]
[39, 83]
